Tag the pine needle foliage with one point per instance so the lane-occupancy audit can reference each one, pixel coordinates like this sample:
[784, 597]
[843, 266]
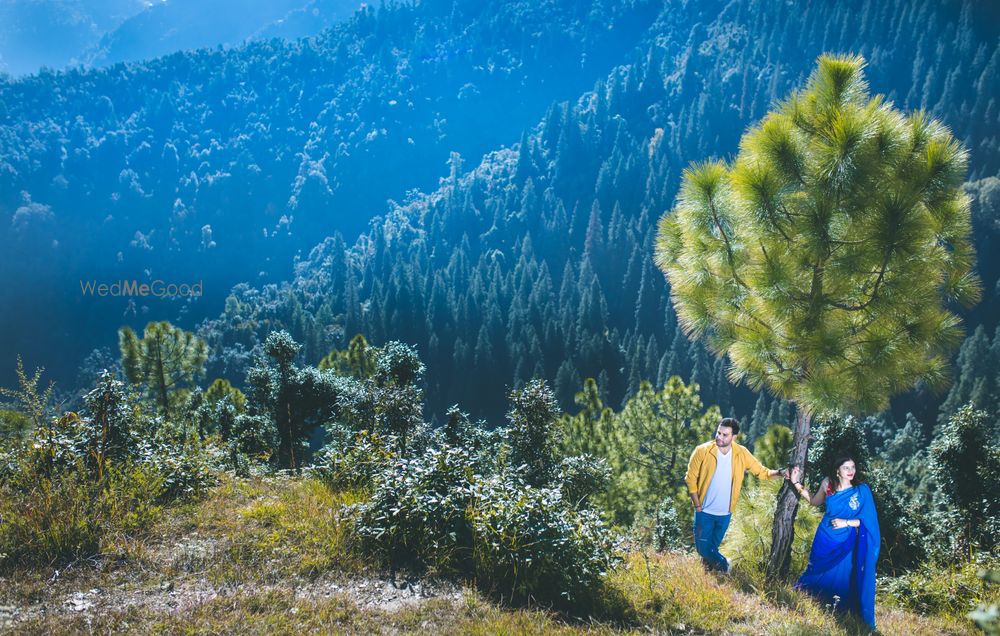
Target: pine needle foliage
[827, 258]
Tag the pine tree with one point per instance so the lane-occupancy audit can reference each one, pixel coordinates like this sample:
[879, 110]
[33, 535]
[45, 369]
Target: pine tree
[822, 260]
[166, 360]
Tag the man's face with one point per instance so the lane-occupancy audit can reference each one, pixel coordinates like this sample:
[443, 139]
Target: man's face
[724, 436]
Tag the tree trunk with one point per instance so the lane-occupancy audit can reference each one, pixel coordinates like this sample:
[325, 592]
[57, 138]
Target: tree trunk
[782, 534]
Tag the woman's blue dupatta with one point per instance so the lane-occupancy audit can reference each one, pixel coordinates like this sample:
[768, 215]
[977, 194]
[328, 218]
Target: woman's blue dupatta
[842, 561]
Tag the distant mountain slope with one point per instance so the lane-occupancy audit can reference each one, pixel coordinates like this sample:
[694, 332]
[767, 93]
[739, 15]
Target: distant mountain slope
[177, 25]
[311, 17]
[220, 166]
[538, 260]
[54, 33]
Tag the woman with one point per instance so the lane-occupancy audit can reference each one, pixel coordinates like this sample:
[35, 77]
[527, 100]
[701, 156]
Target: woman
[841, 568]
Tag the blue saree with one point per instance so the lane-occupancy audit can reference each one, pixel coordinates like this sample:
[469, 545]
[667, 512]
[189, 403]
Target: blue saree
[841, 568]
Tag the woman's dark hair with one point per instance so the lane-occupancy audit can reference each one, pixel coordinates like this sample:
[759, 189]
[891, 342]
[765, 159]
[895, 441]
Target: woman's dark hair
[835, 466]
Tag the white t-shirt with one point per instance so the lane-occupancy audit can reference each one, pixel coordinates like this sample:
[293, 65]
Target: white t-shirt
[720, 489]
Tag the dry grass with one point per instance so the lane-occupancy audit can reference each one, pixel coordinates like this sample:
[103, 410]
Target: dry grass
[274, 556]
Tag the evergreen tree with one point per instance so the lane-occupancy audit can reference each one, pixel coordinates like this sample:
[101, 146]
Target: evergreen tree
[822, 260]
[774, 447]
[166, 360]
[221, 389]
[357, 361]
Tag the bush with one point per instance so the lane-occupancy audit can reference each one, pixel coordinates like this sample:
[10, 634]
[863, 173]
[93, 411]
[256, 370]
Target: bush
[186, 465]
[987, 616]
[668, 533]
[964, 465]
[417, 512]
[748, 541]
[518, 541]
[949, 590]
[351, 460]
[582, 477]
[530, 545]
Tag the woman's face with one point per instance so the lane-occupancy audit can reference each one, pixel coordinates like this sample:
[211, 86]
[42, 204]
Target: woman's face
[846, 470]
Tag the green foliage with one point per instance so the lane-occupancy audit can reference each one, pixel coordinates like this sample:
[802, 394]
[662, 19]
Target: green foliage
[774, 447]
[905, 534]
[976, 379]
[417, 511]
[358, 361]
[987, 616]
[221, 389]
[34, 405]
[581, 477]
[668, 531]
[964, 464]
[166, 361]
[109, 435]
[295, 400]
[530, 546]
[823, 259]
[352, 460]
[942, 589]
[748, 540]
[46, 520]
[187, 465]
[398, 398]
[533, 436]
[14, 425]
[646, 445]
[523, 526]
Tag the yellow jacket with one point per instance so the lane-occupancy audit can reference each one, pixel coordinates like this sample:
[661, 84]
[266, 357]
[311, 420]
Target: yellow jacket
[701, 467]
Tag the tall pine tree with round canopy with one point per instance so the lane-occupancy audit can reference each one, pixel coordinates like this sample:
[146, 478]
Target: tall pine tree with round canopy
[826, 260]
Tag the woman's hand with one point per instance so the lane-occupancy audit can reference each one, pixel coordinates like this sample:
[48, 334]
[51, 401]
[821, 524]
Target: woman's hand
[845, 523]
[796, 474]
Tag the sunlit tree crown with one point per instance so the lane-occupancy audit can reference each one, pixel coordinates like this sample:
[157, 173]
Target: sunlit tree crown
[827, 258]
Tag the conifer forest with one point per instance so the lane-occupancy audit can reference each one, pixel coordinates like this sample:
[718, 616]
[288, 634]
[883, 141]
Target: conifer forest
[407, 316]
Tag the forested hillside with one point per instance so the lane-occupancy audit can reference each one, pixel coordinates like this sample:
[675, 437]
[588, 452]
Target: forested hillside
[537, 261]
[171, 167]
[436, 381]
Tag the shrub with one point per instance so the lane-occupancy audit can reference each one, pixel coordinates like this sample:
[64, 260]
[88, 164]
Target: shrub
[987, 616]
[351, 460]
[533, 436]
[530, 545]
[748, 541]
[668, 533]
[581, 477]
[417, 511]
[964, 465]
[186, 465]
[950, 590]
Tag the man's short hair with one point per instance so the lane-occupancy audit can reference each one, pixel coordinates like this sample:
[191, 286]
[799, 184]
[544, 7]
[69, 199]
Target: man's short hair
[733, 423]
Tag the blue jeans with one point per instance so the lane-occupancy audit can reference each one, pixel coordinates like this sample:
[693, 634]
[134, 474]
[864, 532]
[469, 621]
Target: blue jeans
[709, 530]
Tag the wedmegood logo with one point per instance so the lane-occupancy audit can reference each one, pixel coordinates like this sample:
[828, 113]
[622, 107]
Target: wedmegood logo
[157, 289]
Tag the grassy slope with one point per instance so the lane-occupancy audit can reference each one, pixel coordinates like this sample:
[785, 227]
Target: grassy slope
[273, 556]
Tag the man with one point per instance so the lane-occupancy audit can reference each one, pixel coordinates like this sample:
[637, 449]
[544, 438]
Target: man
[714, 479]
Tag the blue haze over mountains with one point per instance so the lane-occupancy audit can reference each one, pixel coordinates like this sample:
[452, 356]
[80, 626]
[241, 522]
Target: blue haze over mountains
[527, 150]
